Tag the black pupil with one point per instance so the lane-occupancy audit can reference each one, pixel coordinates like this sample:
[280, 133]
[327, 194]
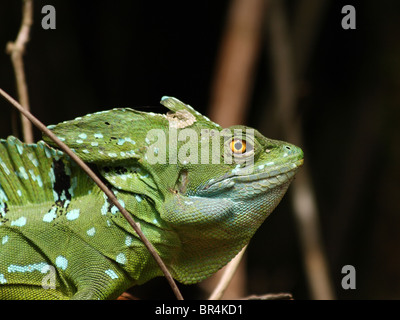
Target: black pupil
[238, 145]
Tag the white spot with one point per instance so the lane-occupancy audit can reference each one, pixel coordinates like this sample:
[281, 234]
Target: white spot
[113, 155]
[98, 135]
[83, 136]
[94, 144]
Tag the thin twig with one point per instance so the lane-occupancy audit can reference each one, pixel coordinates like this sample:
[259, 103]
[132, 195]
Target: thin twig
[270, 296]
[101, 185]
[16, 50]
[227, 277]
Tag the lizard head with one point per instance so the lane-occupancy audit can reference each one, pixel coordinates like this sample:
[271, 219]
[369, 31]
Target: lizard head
[211, 187]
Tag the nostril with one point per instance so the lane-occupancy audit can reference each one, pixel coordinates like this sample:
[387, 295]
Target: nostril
[288, 148]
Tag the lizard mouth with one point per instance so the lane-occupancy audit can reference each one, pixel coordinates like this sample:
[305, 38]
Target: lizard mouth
[271, 175]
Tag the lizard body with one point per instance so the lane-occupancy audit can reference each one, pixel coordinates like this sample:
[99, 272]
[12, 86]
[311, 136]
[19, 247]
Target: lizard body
[197, 195]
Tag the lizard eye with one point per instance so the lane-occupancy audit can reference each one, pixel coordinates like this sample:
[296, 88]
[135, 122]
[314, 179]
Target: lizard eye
[238, 146]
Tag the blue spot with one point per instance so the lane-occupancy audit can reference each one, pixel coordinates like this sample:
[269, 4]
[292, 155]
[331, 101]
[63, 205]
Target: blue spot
[4, 240]
[114, 210]
[91, 232]
[4, 167]
[27, 268]
[130, 140]
[3, 196]
[73, 214]
[61, 262]
[105, 205]
[19, 222]
[128, 241]
[2, 279]
[50, 216]
[20, 149]
[47, 152]
[33, 159]
[23, 173]
[111, 274]
[121, 258]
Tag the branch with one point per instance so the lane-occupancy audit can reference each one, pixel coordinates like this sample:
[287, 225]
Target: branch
[227, 276]
[16, 50]
[101, 185]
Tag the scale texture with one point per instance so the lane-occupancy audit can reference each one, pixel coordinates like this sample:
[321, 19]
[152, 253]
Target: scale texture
[198, 192]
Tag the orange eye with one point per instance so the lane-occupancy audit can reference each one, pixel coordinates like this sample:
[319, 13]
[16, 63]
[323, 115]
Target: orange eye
[238, 146]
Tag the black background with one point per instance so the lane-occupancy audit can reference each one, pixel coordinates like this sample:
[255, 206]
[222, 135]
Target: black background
[106, 54]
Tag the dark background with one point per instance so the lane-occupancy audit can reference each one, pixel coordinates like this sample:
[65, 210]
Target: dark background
[106, 54]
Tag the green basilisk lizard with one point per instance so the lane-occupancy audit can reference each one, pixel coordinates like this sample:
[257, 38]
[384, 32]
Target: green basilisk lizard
[197, 191]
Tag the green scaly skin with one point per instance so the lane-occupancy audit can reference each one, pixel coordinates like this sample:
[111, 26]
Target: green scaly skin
[56, 224]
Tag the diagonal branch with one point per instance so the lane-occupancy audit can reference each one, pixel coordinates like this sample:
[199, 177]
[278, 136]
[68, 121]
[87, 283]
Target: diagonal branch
[227, 276]
[101, 185]
[16, 50]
